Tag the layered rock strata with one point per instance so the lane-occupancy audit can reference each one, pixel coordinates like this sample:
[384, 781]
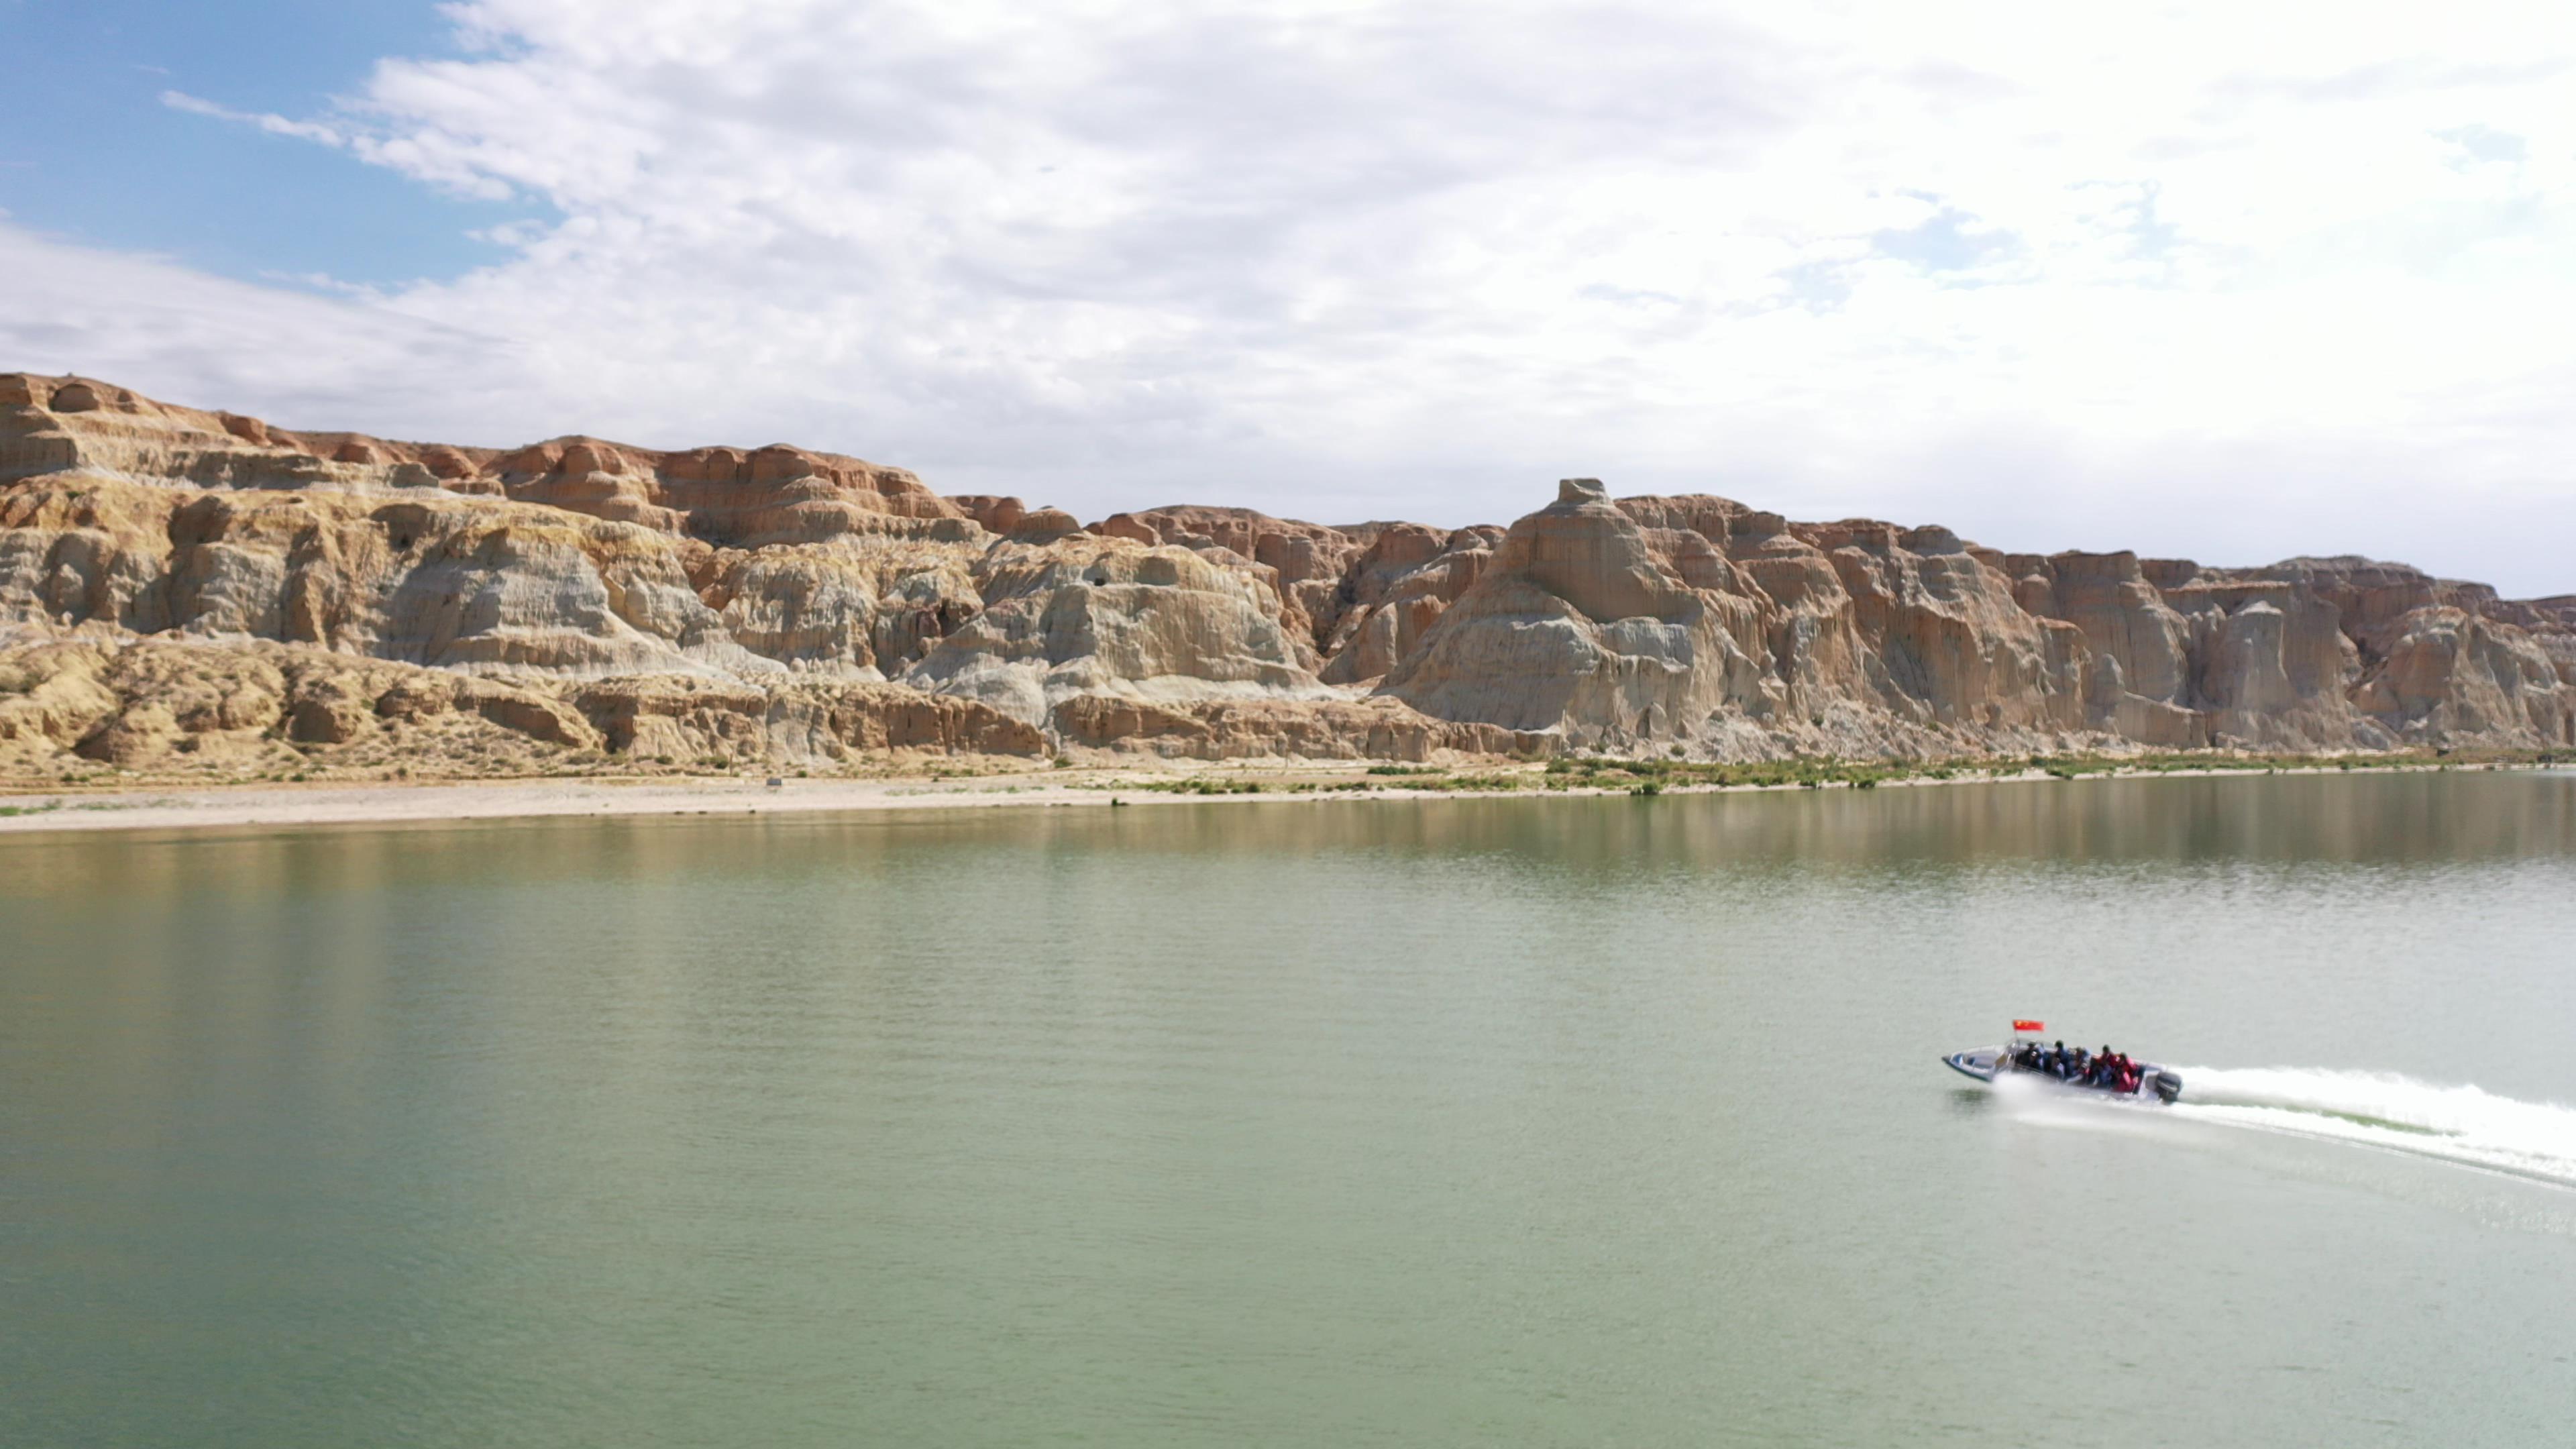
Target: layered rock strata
[180, 585]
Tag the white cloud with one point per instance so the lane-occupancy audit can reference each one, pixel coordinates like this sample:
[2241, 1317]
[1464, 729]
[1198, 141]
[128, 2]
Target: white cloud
[274, 125]
[304, 360]
[2203, 279]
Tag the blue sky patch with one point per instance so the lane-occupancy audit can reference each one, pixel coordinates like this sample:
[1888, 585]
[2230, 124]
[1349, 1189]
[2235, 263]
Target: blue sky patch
[94, 156]
[1949, 240]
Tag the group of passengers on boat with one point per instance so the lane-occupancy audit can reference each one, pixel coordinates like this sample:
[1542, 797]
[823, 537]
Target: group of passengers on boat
[2106, 1069]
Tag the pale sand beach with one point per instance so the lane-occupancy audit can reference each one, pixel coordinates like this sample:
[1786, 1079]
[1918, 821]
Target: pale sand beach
[392, 802]
[395, 802]
[276, 805]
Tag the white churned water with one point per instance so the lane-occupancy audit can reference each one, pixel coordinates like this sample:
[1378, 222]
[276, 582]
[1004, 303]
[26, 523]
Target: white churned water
[2464, 1124]
[2459, 1124]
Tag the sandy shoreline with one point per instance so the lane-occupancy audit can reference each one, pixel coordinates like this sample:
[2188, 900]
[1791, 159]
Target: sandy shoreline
[386, 803]
[228, 807]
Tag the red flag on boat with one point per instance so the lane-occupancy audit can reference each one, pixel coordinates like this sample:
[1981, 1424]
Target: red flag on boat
[2021, 1025]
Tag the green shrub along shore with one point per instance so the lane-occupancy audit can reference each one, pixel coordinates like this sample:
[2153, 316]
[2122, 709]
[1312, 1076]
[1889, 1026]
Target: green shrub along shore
[1655, 777]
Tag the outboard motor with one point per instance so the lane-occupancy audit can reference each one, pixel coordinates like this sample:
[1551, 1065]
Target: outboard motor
[2167, 1085]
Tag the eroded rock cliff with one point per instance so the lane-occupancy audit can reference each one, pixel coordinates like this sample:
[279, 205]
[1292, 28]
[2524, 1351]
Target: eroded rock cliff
[179, 585]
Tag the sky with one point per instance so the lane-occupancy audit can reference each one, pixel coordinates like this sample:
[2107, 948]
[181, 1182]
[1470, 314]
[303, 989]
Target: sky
[2230, 282]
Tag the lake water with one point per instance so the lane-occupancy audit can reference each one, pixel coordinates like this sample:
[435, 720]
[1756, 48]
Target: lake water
[1601, 1121]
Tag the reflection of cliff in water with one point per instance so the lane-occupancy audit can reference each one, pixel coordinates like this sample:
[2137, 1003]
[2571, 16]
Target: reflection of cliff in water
[1918, 832]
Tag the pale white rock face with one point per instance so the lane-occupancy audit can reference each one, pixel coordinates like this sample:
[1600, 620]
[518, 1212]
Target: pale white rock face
[223, 588]
[2271, 668]
[785, 610]
[2449, 672]
[741, 581]
[1114, 619]
[1578, 626]
[2247, 669]
[2124, 619]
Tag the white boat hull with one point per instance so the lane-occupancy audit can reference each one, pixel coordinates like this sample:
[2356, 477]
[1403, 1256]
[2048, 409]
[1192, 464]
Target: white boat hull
[1987, 1063]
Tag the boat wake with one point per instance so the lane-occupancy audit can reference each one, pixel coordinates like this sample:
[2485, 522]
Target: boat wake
[2463, 1124]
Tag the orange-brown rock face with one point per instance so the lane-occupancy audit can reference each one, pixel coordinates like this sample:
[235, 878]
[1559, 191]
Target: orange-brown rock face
[180, 583]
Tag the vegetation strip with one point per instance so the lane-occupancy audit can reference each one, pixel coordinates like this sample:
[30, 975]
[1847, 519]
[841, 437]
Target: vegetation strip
[1656, 776]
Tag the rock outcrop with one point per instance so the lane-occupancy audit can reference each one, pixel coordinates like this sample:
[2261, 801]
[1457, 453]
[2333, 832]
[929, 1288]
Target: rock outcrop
[187, 586]
[163, 704]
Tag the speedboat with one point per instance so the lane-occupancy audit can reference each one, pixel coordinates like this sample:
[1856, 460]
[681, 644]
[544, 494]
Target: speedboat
[2035, 1059]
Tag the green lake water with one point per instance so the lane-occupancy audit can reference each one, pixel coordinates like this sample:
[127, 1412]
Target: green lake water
[1478, 1122]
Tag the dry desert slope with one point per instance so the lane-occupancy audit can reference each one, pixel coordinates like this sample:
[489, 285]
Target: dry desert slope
[199, 592]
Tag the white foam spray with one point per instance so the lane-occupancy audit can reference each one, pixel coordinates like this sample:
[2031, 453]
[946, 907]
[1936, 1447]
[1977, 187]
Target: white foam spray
[2463, 1124]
